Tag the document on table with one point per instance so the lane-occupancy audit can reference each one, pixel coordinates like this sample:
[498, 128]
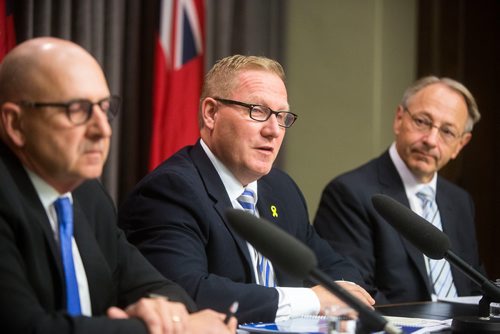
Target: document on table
[471, 300]
[320, 325]
[419, 325]
[301, 324]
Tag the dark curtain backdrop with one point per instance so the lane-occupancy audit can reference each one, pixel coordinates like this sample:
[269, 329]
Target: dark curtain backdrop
[121, 33]
[461, 39]
[457, 38]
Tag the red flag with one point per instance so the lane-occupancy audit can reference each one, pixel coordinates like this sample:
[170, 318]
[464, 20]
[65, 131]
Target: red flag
[7, 32]
[179, 58]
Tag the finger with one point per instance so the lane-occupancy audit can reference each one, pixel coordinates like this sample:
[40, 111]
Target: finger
[364, 293]
[232, 324]
[146, 310]
[210, 322]
[175, 317]
[161, 306]
[362, 297]
[355, 289]
[116, 313]
[219, 315]
[365, 296]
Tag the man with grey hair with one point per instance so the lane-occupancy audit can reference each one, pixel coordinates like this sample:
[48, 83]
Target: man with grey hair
[432, 124]
[176, 214]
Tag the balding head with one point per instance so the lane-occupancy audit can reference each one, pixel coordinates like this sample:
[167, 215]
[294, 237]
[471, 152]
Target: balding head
[38, 66]
[39, 80]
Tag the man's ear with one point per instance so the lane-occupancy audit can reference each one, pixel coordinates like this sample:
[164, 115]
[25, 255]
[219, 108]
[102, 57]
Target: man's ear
[11, 118]
[209, 112]
[464, 140]
[398, 119]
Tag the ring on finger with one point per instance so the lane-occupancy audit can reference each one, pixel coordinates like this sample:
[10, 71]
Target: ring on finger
[176, 318]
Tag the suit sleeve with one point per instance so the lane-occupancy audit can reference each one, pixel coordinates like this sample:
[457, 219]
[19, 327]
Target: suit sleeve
[31, 285]
[343, 219]
[133, 276]
[172, 221]
[329, 260]
[463, 241]
[20, 308]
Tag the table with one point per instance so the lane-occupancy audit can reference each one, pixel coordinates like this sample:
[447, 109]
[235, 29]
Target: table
[429, 310]
[466, 319]
[433, 310]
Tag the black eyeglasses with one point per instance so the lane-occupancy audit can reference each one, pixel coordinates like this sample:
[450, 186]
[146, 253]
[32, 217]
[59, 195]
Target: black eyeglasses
[262, 113]
[80, 111]
[423, 124]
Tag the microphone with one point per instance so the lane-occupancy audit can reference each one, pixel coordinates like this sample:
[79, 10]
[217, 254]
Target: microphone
[429, 239]
[298, 260]
[435, 244]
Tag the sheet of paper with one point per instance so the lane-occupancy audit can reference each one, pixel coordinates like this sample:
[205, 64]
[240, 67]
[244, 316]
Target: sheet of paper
[301, 324]
[318, 325]
[471, 300]
[420, 325]
[417, 322]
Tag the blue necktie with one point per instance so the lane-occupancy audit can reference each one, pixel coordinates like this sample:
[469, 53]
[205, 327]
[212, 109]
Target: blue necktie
[439, 270]
[64, 211]
[265, 271]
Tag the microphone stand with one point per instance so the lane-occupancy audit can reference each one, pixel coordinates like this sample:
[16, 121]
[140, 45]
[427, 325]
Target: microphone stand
[435, 244]
[489, 289]
[370, 320]
[491, 293]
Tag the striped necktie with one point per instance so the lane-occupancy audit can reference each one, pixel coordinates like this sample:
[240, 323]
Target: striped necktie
[439, 270]
[64, 211]
[265, 271]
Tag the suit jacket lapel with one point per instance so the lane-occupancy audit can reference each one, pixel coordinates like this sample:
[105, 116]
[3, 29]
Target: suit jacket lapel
[36, 208]
[217, 192]
[445, 206]
[33, 207]
[268, 208]
[272, 209]
[392, 185]
[99, 276]
[451, 228]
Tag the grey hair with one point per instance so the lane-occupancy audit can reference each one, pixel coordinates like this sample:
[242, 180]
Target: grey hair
[473, 112]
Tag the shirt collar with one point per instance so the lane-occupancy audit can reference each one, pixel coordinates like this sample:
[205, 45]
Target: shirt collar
[411, 184]
[46, 192]
[233, 187]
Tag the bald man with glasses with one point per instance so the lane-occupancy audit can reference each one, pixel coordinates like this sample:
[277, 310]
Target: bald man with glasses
[65, 267]
[432, 124]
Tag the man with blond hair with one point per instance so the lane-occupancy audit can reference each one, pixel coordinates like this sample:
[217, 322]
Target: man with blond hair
[175, 215]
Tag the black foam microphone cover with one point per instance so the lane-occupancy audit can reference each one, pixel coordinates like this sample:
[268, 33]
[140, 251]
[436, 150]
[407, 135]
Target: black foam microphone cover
[298, 260]
[422, 234]
[281, 248]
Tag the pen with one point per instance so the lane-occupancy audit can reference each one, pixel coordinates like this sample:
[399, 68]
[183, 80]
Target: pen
[231, 311]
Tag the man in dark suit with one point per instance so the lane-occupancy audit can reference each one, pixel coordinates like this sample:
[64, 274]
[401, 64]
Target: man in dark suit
[55, 107]
[175, 215]
[432, 124]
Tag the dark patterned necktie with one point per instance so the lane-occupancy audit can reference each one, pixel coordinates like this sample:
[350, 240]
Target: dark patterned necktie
[265, 271]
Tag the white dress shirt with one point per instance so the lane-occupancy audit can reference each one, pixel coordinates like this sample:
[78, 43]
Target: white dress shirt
[412, 187]
[48, 196]
[292, 301]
